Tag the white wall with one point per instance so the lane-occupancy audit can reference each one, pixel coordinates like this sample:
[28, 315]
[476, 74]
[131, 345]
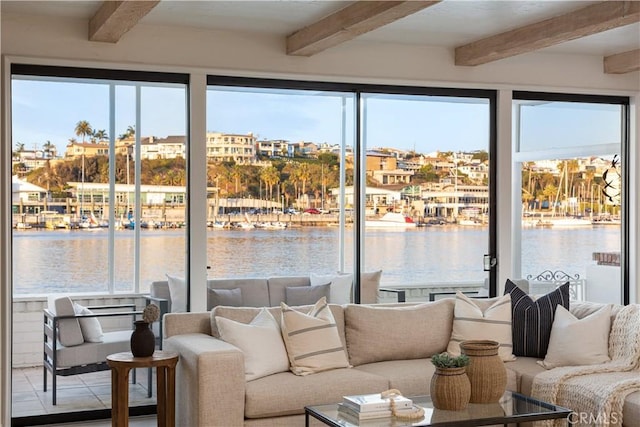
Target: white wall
[53, 41]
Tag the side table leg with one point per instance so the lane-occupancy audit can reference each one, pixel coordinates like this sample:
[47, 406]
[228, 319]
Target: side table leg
[171, 396]
[161, 397]
[120, 397]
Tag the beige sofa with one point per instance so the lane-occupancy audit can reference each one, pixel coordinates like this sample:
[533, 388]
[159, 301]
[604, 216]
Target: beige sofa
[388, 345]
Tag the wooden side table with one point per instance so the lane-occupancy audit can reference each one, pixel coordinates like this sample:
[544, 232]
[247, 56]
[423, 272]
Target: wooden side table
[165, 364]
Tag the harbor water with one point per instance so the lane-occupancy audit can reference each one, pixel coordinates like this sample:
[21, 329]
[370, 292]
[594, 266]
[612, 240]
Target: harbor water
[75, 261]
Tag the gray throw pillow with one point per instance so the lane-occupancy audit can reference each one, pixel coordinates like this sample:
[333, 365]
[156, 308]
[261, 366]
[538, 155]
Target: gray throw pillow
[229, 297]
[306, 295]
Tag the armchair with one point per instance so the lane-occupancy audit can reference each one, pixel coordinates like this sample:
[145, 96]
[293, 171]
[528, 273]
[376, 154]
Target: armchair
[74, 342]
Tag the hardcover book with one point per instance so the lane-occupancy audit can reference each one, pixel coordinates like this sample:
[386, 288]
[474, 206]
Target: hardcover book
[375, 402]
[351, 414]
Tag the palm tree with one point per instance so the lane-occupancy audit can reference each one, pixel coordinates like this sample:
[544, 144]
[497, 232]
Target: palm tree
[236, 174]
[304, 174]
[49, 149]
[131, 131]
[271, 177]
[83, 129]
[19, 149]
[101, 135]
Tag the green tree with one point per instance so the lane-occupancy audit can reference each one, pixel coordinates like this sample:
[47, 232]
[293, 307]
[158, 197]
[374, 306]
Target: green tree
[83, 129]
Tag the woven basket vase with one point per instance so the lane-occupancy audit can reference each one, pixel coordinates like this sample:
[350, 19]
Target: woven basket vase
[486, 371]
[450, 389]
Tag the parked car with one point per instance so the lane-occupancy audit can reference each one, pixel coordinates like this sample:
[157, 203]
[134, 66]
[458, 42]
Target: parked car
[312, 211]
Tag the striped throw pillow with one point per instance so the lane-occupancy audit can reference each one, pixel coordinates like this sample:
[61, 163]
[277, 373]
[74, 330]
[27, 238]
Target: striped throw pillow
[312, 339]
[482, 319]
[532, 320]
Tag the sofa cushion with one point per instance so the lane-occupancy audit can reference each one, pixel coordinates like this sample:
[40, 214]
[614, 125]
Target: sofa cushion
[178, 291]
[264, 399]
[312, 339]
[379, 333]
[411, 377]
[90, 352]
[260, 342]
[525, 369]
[255, 292]
[341, 284]
[575, 342]
[69, 333]
[278, 286]
[231, 297]
[482, 319]
[305, 295]
[532, 320]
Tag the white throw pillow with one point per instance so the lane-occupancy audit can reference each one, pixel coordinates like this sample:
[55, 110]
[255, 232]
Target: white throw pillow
[178, 292]
[312, 340]
[576, 342]
[340, 289]
[482, 319]
[90, 326]
[260, 341]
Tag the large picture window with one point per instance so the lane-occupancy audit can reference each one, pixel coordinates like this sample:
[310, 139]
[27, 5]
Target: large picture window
[570, 151]
[307, 177]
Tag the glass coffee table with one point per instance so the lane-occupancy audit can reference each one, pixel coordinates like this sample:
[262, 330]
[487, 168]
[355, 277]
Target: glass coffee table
[512, 408]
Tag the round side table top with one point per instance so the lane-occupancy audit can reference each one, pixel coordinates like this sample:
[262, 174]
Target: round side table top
[158, 358]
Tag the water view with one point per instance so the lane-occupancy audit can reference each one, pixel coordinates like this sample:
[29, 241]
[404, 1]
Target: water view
[76, 261]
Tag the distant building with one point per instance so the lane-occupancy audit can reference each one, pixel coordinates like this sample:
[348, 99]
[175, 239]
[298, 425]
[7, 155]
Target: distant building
[171, 147]
[273, 148]
[231, 147]
[23, 191]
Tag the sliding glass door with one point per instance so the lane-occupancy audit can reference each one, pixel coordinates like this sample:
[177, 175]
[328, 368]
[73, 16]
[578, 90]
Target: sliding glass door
[570, 152]
[425, 192]
[98, 203]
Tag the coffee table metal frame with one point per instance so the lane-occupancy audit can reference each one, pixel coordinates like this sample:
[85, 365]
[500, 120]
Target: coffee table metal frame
[328, 414]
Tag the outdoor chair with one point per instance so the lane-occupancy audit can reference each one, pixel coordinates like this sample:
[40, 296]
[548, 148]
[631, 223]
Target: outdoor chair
[74, 342]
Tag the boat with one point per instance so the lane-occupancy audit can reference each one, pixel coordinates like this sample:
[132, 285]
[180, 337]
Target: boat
[391, 220]
[23, 226]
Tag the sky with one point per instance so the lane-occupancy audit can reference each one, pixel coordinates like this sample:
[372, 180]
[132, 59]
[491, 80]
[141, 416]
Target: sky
[49, 111]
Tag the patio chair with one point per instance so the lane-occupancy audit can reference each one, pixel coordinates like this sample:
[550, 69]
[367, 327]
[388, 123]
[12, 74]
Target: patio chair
[74, 342]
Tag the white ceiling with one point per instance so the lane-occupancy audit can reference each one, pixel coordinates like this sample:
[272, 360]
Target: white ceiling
[448, 24]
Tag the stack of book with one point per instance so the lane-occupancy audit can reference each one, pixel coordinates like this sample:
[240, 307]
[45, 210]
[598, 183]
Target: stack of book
[371, 406]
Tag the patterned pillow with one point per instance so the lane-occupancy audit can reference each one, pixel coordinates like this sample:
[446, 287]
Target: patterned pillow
[481, 319]
[532, 320]
[312, 339]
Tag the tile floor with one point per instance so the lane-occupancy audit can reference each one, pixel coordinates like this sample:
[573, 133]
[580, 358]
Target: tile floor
[75, 393]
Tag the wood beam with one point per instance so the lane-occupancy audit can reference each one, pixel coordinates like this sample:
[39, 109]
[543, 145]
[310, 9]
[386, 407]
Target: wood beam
[580, 23]
[346, 24]
[621, 63]
[115, 18]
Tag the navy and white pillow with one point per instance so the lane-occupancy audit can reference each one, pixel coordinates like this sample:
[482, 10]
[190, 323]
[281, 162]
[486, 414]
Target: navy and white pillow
[532, 320]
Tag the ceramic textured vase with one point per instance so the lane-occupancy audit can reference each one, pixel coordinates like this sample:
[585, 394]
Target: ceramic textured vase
[486, 371]
[143, 340]
[450, 389]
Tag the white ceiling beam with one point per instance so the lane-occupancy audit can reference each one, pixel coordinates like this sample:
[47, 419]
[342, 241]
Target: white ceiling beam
[621, 63]
[346, 24]
[580, 23]
[115, 18]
